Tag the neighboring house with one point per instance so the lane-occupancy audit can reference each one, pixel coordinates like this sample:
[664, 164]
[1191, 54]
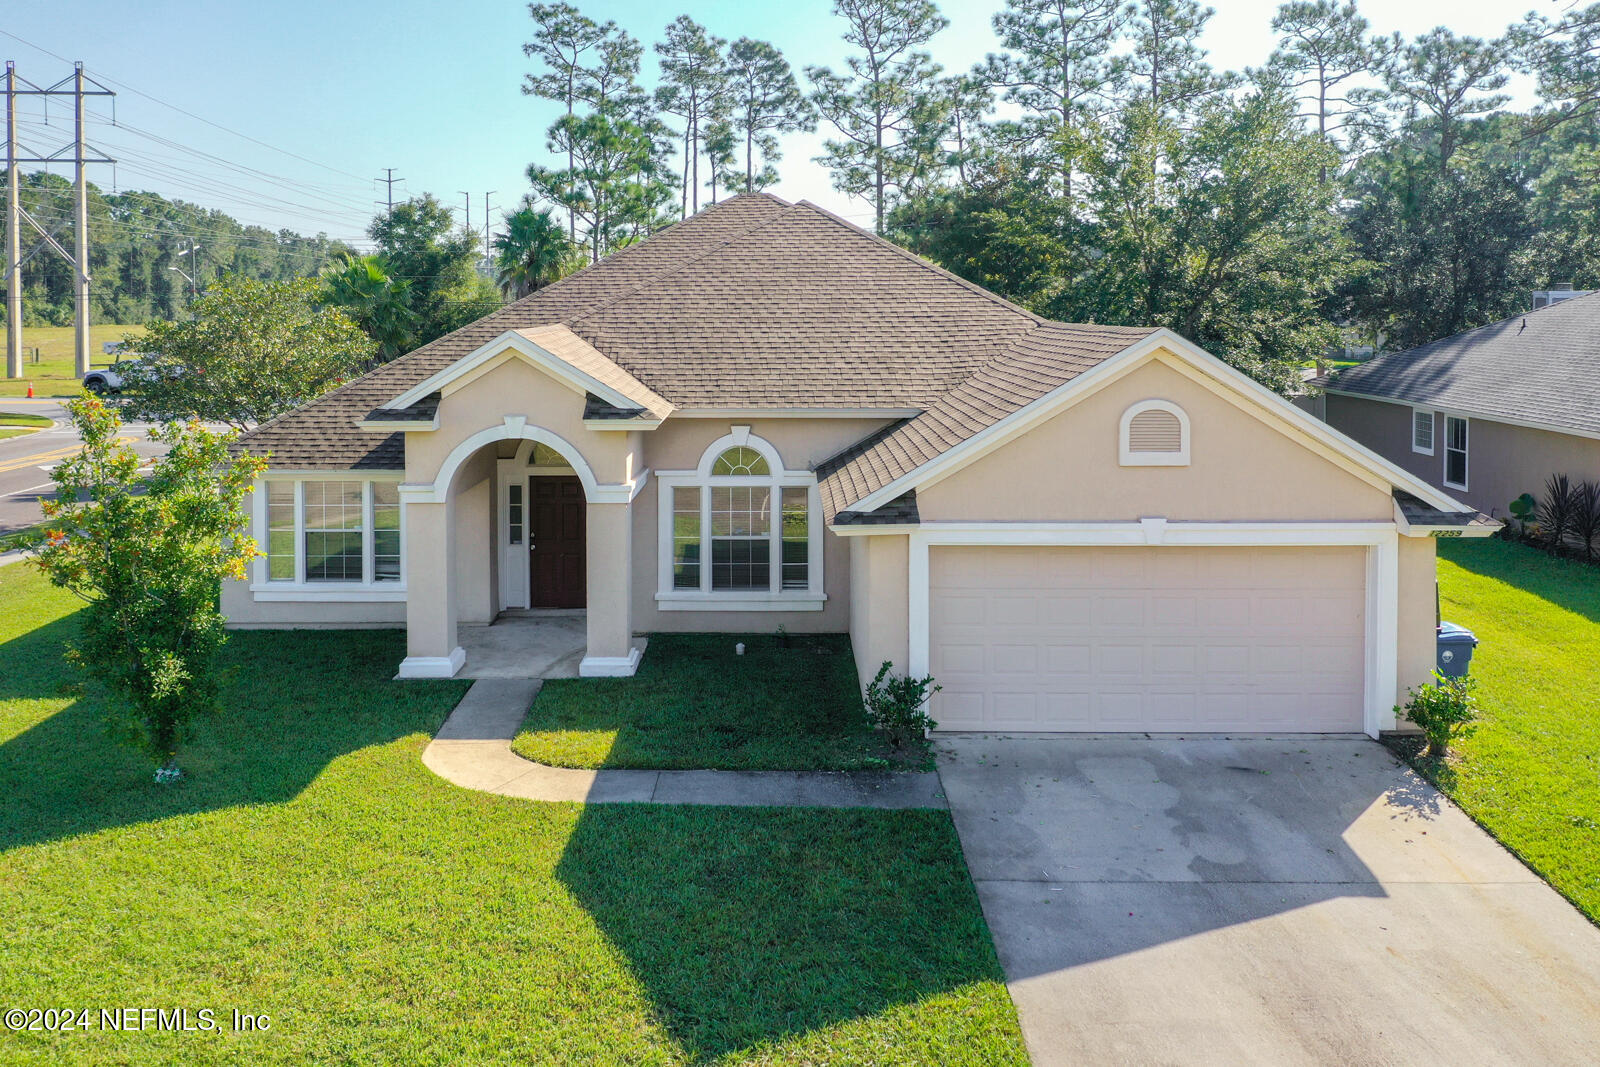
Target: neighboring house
[764, 416]
[1486, 415]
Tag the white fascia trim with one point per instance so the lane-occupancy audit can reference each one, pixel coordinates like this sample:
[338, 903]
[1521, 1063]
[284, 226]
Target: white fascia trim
[1154, 530]
[610, 666]
[620, 425]
[432, 666]
[797, 413]
[757, 601]
[341, 474]
[352, 594]
[1206, 366]
[868, 530]
[410, 426]
[557, 368]
[1527, 424]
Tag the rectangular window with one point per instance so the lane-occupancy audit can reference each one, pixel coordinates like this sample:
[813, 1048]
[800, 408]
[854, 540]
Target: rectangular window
[333, 531]
[686, 538]
[385, 532]
[741, 537]
[514, 512]
[280, 531]
[1422, 431]
[1455, 452]
[796, 543]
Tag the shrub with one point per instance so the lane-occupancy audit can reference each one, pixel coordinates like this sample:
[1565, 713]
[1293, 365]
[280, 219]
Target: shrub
[897, 705]
[1585, 520]
[1555, 511]
[1444, 711]
[1525, 510]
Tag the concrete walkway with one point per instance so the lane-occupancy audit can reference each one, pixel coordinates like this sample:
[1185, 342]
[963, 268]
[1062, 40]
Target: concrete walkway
[473, 750]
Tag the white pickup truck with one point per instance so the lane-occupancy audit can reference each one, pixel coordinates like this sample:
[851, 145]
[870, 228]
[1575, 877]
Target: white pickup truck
[103, 380]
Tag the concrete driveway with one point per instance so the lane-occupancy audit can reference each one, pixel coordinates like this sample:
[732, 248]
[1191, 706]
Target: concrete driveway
[1261, 901]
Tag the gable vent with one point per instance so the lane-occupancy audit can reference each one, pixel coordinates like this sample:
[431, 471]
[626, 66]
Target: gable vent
[1155, 431]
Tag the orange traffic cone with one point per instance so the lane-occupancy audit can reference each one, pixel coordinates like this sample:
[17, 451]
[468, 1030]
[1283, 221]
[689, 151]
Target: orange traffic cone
[30, 390]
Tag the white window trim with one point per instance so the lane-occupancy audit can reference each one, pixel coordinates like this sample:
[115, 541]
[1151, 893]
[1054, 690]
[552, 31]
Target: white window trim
[264, 589]
[1433, 430]
[1127, 457]
[1380, 539]
[811, 598]
[1466, 455]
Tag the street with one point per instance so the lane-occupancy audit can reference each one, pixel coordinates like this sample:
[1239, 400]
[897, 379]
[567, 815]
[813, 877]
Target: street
[26, 461]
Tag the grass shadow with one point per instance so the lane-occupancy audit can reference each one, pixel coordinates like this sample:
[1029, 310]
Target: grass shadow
[785, 704]
[293, 702]
[749, 927]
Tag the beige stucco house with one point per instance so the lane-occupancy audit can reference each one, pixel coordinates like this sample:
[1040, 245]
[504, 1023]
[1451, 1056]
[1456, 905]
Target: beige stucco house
[764, 416]
[1488, 414]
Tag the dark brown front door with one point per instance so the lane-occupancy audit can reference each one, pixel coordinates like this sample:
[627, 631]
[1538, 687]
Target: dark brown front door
[556, 542]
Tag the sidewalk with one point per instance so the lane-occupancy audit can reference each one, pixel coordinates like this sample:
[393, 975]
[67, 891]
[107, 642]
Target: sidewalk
[473, 750]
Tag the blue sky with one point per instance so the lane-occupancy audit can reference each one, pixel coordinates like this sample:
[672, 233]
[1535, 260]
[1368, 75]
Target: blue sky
[432, 89]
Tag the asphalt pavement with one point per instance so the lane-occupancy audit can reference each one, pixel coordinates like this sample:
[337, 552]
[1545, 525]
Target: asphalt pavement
[26, 461]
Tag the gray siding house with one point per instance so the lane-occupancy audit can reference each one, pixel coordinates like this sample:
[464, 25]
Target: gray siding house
[1488, 414]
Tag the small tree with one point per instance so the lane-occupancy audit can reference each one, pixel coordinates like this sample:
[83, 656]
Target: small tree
[253, 350]
[147, 556]
[1556, 511]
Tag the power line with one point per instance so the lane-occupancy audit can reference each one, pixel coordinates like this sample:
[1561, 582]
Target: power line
[190, 114]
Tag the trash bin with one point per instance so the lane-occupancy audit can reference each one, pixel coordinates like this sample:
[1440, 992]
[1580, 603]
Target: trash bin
[1455, 649]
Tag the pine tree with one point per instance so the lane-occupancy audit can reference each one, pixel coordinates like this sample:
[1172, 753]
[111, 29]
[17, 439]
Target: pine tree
[764, 100]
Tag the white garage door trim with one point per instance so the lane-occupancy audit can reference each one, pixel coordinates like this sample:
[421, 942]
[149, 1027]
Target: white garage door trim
[1381, 540]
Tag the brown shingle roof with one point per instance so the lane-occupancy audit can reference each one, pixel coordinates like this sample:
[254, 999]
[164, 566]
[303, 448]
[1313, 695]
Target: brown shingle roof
[756, 303]
[1043, 359]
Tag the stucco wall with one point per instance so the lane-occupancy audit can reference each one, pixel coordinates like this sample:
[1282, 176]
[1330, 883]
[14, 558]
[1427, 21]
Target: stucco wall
[477, 591]
[1417, 624]
[1503, 461]
[516, 388]
[246, 613]
[1068, 470]
[879, 627]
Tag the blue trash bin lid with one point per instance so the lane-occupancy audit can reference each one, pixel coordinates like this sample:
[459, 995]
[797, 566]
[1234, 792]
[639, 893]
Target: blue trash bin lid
[1451, 634]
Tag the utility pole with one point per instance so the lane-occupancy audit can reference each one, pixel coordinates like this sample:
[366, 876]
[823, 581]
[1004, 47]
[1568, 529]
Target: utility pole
[13, 233]
[80, 232]
[468, 197]
[389, 180]
[486, 223]
[193, 252]
[16, 214]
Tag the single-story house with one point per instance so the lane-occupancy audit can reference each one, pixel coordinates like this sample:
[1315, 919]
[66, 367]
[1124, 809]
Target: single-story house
[763, 416]
[1488, 414]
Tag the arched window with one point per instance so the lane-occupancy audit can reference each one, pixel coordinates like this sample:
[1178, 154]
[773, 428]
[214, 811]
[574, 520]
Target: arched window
[740, 530]
[1154, 433]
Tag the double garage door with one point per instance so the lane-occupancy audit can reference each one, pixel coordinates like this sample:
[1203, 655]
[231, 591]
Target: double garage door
[1164, 639]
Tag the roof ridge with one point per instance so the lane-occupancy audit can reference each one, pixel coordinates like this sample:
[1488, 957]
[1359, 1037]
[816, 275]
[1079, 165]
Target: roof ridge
[648, 282]
[928, 265]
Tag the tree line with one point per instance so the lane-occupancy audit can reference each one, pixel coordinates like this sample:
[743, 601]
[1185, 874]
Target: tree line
[135, 238]
[1099, 168]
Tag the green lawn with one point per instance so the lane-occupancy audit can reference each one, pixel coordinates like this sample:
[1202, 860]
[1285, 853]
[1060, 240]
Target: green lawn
[1531, 774]
[53, 374]
[694, 704]
[311, 868]
[13, 424]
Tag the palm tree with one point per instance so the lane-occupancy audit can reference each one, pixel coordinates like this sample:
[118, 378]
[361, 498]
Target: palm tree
[379, 304]
[533, 252]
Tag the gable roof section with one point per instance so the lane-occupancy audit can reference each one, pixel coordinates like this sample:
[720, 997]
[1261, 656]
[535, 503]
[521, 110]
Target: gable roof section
[907, 456]
[1537, 369]
[753, 303]
[559, 352]
[1041, 361]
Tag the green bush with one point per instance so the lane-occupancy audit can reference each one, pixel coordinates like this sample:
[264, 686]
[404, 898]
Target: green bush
[1444, 711]
[897, 705]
